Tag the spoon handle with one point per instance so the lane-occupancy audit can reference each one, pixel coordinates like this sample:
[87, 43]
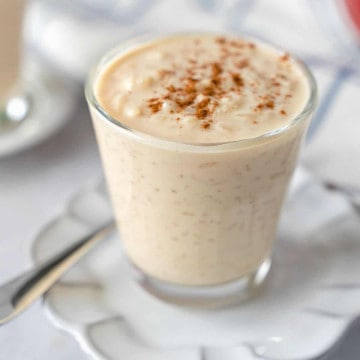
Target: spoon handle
[17, 294]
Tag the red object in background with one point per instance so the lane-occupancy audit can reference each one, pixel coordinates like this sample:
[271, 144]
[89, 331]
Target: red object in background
[353, 8]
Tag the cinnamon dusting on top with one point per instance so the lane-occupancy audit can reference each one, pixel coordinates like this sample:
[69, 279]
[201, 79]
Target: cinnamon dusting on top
[270, 104]
[206, 124]
[237, 79]
[221, 40]
[227, 87]
[171, 88]
[242, 63]
[155, 105]
[186, 96]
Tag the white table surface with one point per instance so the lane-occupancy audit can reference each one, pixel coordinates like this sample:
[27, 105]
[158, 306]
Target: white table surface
[33, 188]
[35, 185]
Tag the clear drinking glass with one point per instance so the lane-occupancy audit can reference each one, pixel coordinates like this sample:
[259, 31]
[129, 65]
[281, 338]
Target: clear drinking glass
[34, 103]
[11, 17]
[198, 222]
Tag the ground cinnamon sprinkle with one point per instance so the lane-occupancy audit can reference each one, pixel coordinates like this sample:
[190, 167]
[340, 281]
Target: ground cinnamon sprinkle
[185, 100]
[221, 40]
[205, 83]
[209, 91]
[237, 79]
[275, 83]
[236, 44]
[155, 105]
[206, 124]
[241, 64]
[216, 69]
[203, 103]
[270, 104]
[215, 81]
[171, 88]
[190, 86]
[164, 73]
[201, 113]
[284, 57]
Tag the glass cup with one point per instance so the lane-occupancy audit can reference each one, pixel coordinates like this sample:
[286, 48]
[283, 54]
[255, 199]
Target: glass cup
[29, 92]
[11, 16]
[198, 222]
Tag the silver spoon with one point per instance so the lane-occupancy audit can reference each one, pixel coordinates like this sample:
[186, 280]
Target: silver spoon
[21, 292]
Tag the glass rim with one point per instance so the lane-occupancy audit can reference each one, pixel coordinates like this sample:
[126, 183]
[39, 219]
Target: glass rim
[134, 43]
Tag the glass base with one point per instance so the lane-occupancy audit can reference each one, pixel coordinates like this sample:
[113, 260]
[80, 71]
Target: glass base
[29, 119]
[207, 297]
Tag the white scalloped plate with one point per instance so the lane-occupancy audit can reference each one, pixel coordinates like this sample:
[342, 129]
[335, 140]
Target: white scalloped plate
[312, 295]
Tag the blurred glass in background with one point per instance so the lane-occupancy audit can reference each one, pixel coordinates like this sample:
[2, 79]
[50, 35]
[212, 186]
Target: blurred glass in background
[28, 92]
[11, 18]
